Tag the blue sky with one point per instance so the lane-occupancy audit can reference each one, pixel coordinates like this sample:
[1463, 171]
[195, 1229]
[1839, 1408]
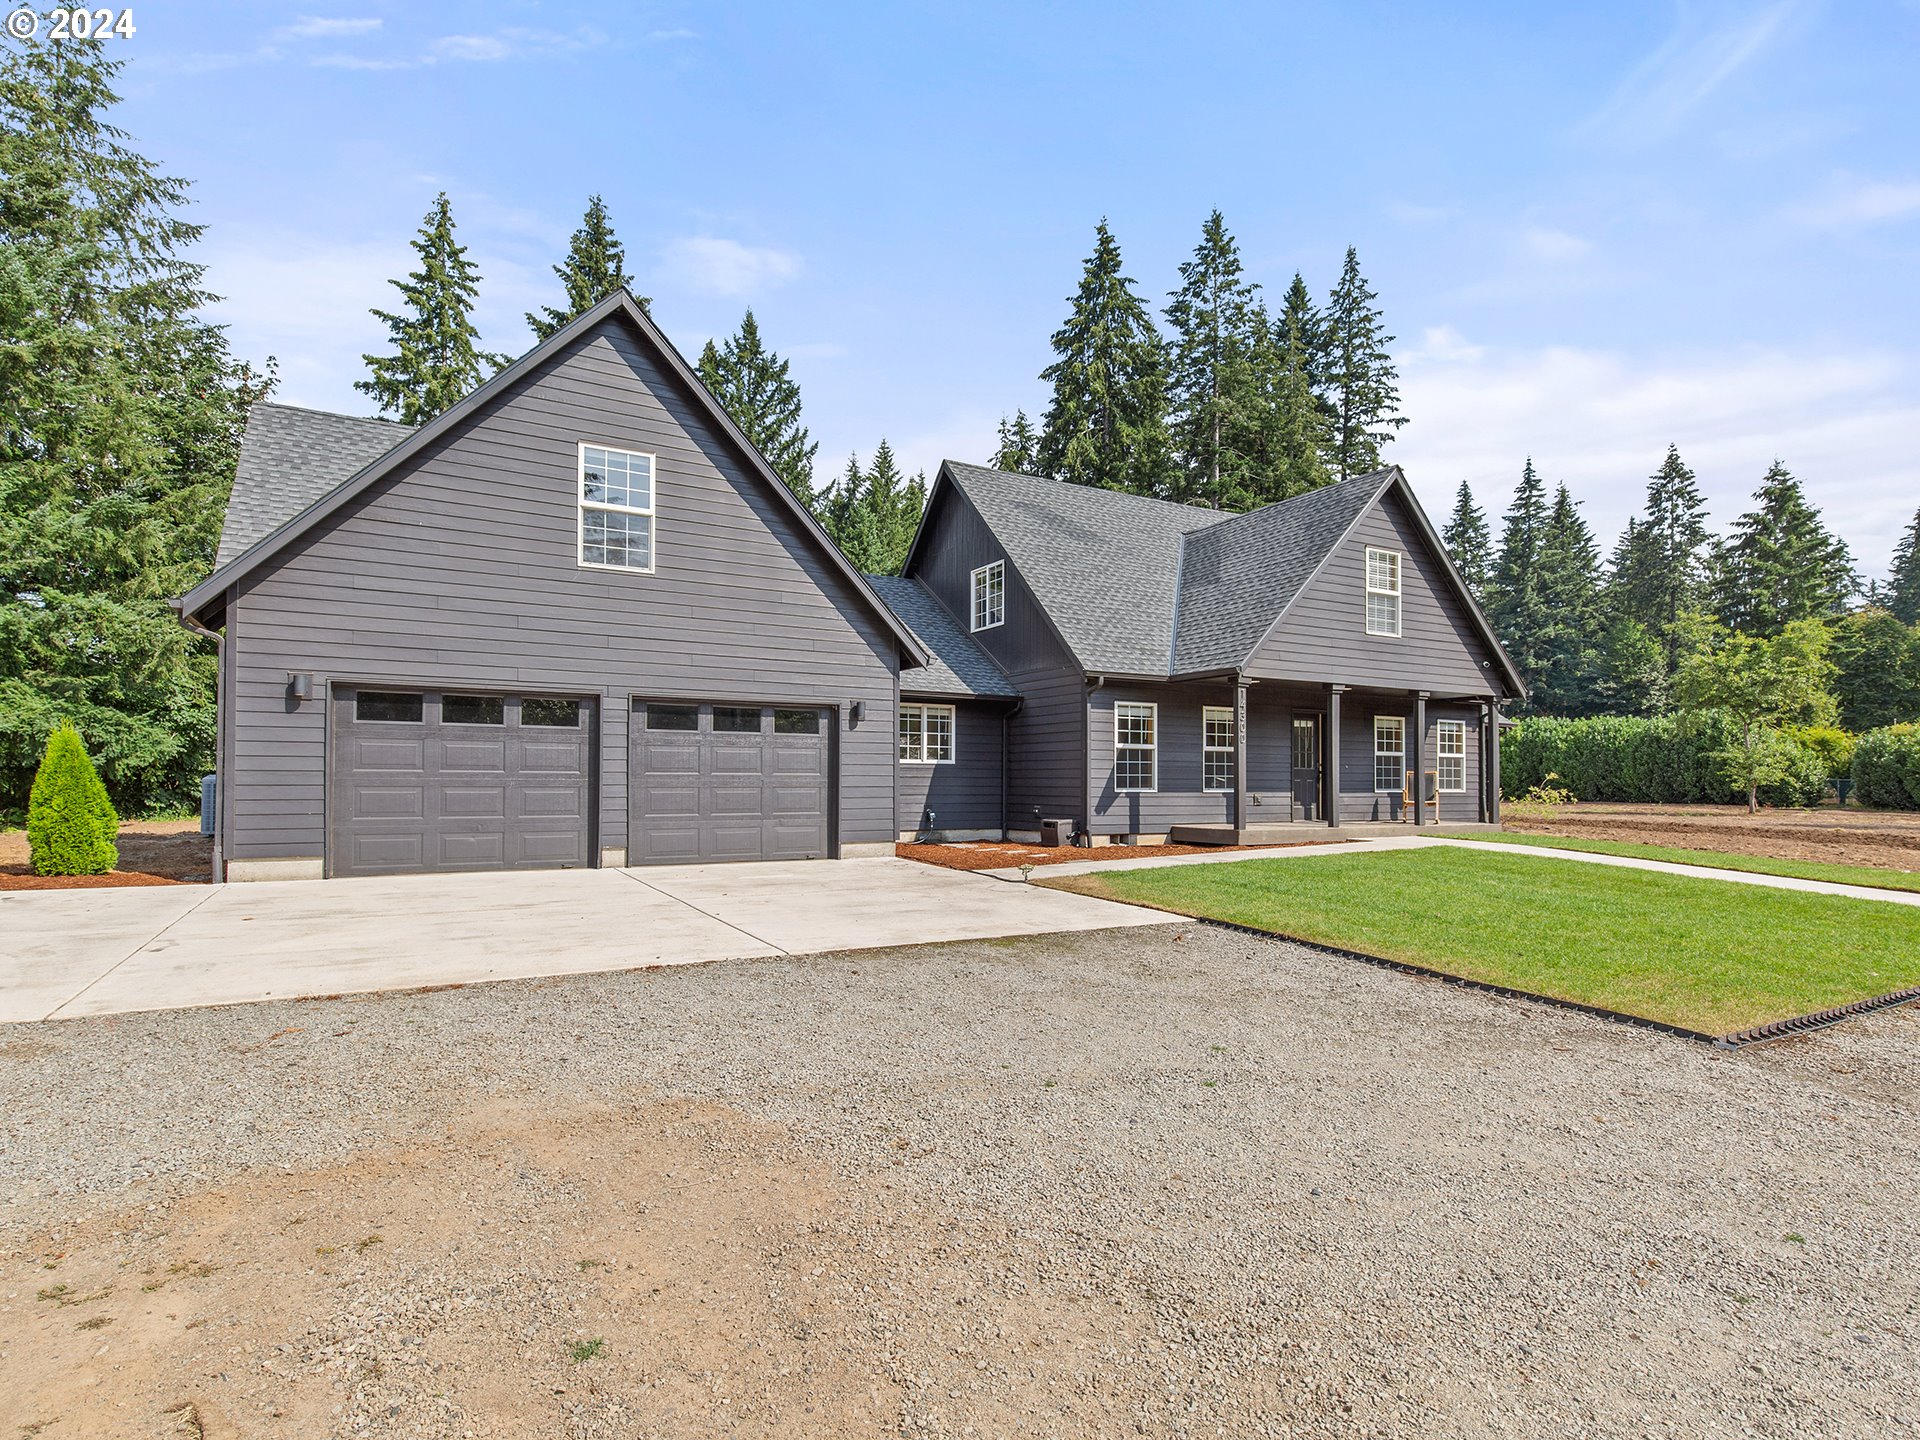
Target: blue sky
[1595, 228]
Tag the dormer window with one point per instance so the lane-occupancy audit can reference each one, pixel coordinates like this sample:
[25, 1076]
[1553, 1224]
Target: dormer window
[990, 596]
[1383, 592]
[616, 509]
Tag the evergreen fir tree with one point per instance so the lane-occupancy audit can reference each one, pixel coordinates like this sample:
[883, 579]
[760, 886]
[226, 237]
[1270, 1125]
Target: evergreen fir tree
[1515, 602]
[1633, 678]
[1470, 542]
[836, 504]
[753, 385]
[1568, 642]
[437, 360]
[1019, 449]
[120, 417]
[873, 514]
[595, 267]
[1107, 422]
[1877, 656]
[1291, 439]
[1658, 575]
[1360, 378]
[1213, 390]
[1903, 588]
[1301, 325]
[1781, 564]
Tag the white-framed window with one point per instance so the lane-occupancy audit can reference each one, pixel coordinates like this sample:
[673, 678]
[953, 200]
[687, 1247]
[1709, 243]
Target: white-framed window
[1136, 747]
[990, 595]
[1383, 592]
[1216, 747]
[616, 509]
[1389, 754]
[1451, 739]
[926, 734]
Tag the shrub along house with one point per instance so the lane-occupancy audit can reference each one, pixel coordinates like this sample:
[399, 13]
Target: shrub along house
[1147, 670]
[577, 620]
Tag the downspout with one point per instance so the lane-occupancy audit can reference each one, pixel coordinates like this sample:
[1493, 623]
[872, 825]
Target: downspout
[1006, 756]
[220, 700]
[1095, 682]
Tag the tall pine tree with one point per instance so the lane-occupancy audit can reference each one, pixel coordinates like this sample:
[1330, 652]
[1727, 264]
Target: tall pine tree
[1361, 379]
[1568, 642]
[1515, 600]
[1216, 332]
[437, 359]
[120, 417]
[1903, 589]
[754, 386]
[1658, 573]
[1107, 422]
[595, 267]
[1470, 542]
[1781, 563]
[1018, 450]
[1291, 436]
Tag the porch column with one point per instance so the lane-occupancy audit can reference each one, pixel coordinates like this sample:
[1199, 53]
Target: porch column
[1480, 754]
[1239, 751]
[1420, 760]
[1330, 781]
[1493, 768]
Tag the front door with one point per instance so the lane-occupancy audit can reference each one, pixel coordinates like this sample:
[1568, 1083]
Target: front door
[1306, 767]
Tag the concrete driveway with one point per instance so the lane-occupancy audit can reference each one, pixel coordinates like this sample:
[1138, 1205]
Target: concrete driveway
[66, 953]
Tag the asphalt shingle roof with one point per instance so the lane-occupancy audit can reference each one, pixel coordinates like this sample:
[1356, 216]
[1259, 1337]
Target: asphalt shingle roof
[1104, 564]
[1238, 576]
[959, 667]
[289, 458]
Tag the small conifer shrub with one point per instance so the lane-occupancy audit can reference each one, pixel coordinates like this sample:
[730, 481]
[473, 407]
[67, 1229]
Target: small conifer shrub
[71, 827]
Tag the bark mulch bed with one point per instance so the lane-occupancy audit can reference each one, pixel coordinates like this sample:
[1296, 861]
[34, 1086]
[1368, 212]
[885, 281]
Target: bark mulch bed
[152, 852]
[995, 855]
[1885, 839]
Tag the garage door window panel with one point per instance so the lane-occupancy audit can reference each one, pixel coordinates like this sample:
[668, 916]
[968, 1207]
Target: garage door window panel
[473, 710]
[388, 707]
[735, 720]
[673, 717]
[548, 713]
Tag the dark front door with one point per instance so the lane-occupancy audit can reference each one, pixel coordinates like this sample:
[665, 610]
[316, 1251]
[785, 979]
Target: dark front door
[427, 780]
[729, 782]
[1306, 767]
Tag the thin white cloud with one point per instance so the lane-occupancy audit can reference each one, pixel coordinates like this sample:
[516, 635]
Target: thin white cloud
[1407, 212]
[1544, 243]
[1709, 45]
[364, 62]
[317, 27]
[471, 47]
[1852, 201]
[1847, 424]
[681, 33]
[714, 265]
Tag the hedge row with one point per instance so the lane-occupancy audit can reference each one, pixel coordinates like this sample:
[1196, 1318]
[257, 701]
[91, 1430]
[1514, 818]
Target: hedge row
[1886, 768]
[1654, 761]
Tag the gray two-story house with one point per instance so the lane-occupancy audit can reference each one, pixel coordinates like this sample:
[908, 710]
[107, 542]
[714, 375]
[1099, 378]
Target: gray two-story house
[1149, 670]
[577, 620]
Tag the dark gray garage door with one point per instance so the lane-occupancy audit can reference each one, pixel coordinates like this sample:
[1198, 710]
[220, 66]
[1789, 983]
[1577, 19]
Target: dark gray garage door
[432, 780]
[729, 782]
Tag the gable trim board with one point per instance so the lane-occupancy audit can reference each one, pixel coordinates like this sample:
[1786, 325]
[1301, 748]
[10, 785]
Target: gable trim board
[620, 302]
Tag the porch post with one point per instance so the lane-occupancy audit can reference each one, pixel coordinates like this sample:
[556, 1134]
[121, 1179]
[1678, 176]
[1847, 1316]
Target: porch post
[1420, 760]
[1330, 781]
[1493, 768]
[1480, 755]
[1239, 751]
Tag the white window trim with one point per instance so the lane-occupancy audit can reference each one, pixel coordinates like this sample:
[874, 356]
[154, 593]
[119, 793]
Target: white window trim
[1399, 722]
[1153, 750]
[996, 569]
[1441, 729]
[953, 734]
[581, 505]
[1399, 586]
[1207, 713]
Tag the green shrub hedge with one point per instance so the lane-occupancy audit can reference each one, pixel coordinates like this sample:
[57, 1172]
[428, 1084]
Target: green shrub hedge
[1886, 768]
[71, 827]
[1652, 761]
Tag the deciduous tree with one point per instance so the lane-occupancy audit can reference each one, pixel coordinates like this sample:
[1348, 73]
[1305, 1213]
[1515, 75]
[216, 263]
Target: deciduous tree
[1760, 683]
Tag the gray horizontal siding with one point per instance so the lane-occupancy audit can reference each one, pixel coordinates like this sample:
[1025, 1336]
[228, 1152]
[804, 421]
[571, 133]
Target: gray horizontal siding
[964, 795]
[461, 570]
[1323, 635]
[1358, 800]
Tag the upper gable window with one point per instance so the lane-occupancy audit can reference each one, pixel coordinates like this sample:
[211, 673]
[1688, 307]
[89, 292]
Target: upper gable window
[990, 596]
[616, 509]
[1383, 592]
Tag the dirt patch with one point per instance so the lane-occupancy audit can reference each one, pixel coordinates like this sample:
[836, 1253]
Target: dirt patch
[995, 855]
[152, 852]
[1885, 840]
[656, 1269]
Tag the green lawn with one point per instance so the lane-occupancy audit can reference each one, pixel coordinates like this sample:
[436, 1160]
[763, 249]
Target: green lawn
[1710, 955]
[1874, 876]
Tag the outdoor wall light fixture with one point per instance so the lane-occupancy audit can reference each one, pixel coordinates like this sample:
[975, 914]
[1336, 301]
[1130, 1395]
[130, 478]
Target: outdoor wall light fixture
[859, 711]
[299, 685]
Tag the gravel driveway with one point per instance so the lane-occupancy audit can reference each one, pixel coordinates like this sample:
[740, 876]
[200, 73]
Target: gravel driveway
[1169, 1181]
